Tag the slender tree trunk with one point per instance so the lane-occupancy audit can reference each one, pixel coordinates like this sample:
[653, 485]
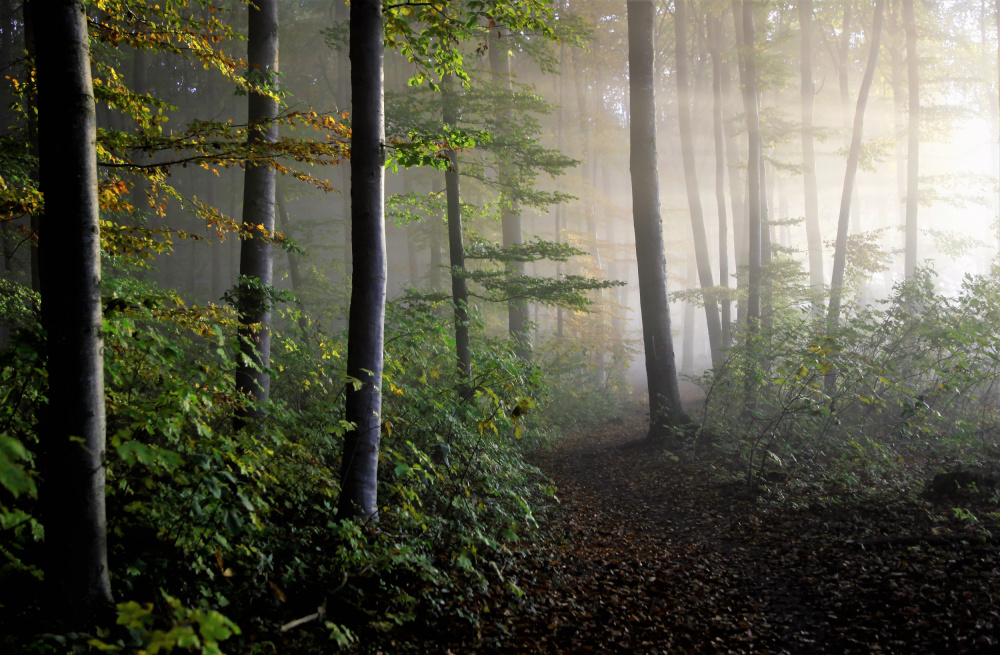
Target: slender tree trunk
[719, 138]
[913, 140]
[737, 189]
[456, 249]
[72, 423]
[896, 45]
[996, 100]
[754, 158]
[252, 378]
[517, 308]
[840, 252]
[814, 238]
[366, 324]
[704, 264]
[661, 369]
[434, 275]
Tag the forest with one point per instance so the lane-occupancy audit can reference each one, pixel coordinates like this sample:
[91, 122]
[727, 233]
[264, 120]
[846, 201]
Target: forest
[500, 326]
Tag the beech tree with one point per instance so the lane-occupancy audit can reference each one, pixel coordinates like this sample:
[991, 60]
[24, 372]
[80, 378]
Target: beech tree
[808, 88]
[366, 322]
[691, 181]
[73, 421]
[913, 140]
[744, 10]
[517, 307]
[843, 224]
[661, 369]
[456, 247]
[254, 309]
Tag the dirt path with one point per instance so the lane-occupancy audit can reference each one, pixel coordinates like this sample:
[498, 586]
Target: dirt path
[650, 555]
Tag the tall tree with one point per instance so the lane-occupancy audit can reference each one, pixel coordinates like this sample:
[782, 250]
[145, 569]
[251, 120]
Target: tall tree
[517, 308]
[456, 249]
[719, 139]
[366, 329]
[840, 251]
[754, 158]
[73, 422]
[813, 237]
[661, 369]
[252, 378]
[704, 265]
[913, 139]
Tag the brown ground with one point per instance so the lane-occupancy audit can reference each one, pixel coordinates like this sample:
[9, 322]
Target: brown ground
[653, 554]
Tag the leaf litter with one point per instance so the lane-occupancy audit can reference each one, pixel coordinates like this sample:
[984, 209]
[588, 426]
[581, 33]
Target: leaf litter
[649, 553]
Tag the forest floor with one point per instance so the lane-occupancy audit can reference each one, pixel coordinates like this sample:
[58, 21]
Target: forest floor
[650, 553]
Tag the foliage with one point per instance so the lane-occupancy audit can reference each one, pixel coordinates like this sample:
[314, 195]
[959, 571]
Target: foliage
[916, 372]
[243, 521]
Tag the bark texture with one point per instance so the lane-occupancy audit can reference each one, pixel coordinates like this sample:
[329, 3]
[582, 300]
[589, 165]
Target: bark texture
[661, 369]
[72, 424]
[365, 337]
[252, 378]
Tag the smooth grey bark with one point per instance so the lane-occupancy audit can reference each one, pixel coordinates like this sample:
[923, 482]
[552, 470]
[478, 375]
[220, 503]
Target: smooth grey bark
[704, 265]
[661, 370]
[843, 224]
[814, 238]
[913, 140]
[366, 322]
[719, 139]
[252, 378]
[517, 308]
[754, 159]
[456, 248]
[72, 423]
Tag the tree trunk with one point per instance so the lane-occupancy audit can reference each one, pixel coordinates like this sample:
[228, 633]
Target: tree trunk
[913, 140]
[719, 138]
[754, 157]
[456, 249]
[705, 277]
[72, 424]
[661, 370]
[254, 310]
[840, 251]
[517, 308]
[814, 238]
[366, 323]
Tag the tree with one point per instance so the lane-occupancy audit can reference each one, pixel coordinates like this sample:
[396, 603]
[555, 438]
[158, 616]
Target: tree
[456, 248]
[913, 140]
[661, 370]
[252, 378]
[754, 158]
[843, 224]
[73, 422]
[719, 140]
[517, 308]
[365, 331]
[693, 192]
[813, 236]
